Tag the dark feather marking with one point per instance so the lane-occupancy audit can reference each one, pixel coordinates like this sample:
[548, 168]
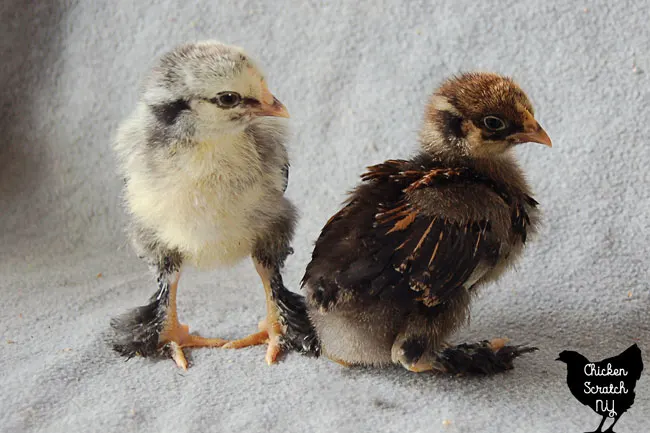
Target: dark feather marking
[531, 201]
[414, 349]
[169, 112]
[452, 125]
[285, 174]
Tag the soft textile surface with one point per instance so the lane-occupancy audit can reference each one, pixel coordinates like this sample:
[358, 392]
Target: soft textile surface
[355, 78]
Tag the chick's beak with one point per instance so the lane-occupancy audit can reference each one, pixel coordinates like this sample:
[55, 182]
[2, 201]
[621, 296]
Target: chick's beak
[533, 133]
[275, 108]
[270, 105]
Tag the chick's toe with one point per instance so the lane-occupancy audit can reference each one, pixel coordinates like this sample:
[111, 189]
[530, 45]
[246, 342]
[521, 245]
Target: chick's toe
[176, 336]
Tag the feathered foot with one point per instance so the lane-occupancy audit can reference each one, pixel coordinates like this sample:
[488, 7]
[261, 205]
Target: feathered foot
[486, 357]
[154, 329]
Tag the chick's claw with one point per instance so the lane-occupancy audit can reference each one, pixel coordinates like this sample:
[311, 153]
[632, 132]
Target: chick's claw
[274, 348]
[176, 336]
[268, 334]
[497, 343]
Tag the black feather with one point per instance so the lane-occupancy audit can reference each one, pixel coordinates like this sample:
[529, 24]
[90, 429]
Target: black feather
[299, 334]
[169, 112]
[285, 174]
[478, 358]
[137, 332]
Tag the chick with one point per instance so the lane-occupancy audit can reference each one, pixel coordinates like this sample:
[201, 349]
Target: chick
[392, 273]
[205, 167]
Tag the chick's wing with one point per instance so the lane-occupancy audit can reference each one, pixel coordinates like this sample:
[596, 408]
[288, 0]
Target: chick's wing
[382, 244]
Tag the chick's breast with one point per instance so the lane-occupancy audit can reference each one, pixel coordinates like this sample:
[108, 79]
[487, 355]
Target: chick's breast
[201, 200]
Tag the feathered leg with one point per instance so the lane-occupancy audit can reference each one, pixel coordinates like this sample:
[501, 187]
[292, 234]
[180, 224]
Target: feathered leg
[154, 329]
[483, 358]
[486, 357]
[299, 334]
[420, 345]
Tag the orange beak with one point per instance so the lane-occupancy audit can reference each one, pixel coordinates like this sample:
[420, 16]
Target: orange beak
[538, 135]
[533, 133]
[270, 105]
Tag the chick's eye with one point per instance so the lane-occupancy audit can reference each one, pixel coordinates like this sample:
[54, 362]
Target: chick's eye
[227, 99]
[493, 123]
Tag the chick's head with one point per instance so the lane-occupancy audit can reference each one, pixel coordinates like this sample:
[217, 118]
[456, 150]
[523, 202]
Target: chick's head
[479, 115]
[215, 88]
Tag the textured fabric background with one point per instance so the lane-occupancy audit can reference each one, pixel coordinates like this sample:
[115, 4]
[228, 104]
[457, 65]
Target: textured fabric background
[355, 78]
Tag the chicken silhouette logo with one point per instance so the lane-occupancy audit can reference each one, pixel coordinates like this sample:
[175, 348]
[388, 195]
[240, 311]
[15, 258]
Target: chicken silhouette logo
[607, 386]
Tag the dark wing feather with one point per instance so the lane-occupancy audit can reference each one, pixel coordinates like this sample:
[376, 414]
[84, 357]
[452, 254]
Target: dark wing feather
[420, 257]
[381, 245]
[285, 174]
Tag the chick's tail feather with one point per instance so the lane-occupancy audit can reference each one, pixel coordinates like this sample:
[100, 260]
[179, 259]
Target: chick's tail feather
[483, 358]
[299, 334]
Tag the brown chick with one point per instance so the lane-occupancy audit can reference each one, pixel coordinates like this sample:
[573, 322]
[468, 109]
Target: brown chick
[393, 273]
